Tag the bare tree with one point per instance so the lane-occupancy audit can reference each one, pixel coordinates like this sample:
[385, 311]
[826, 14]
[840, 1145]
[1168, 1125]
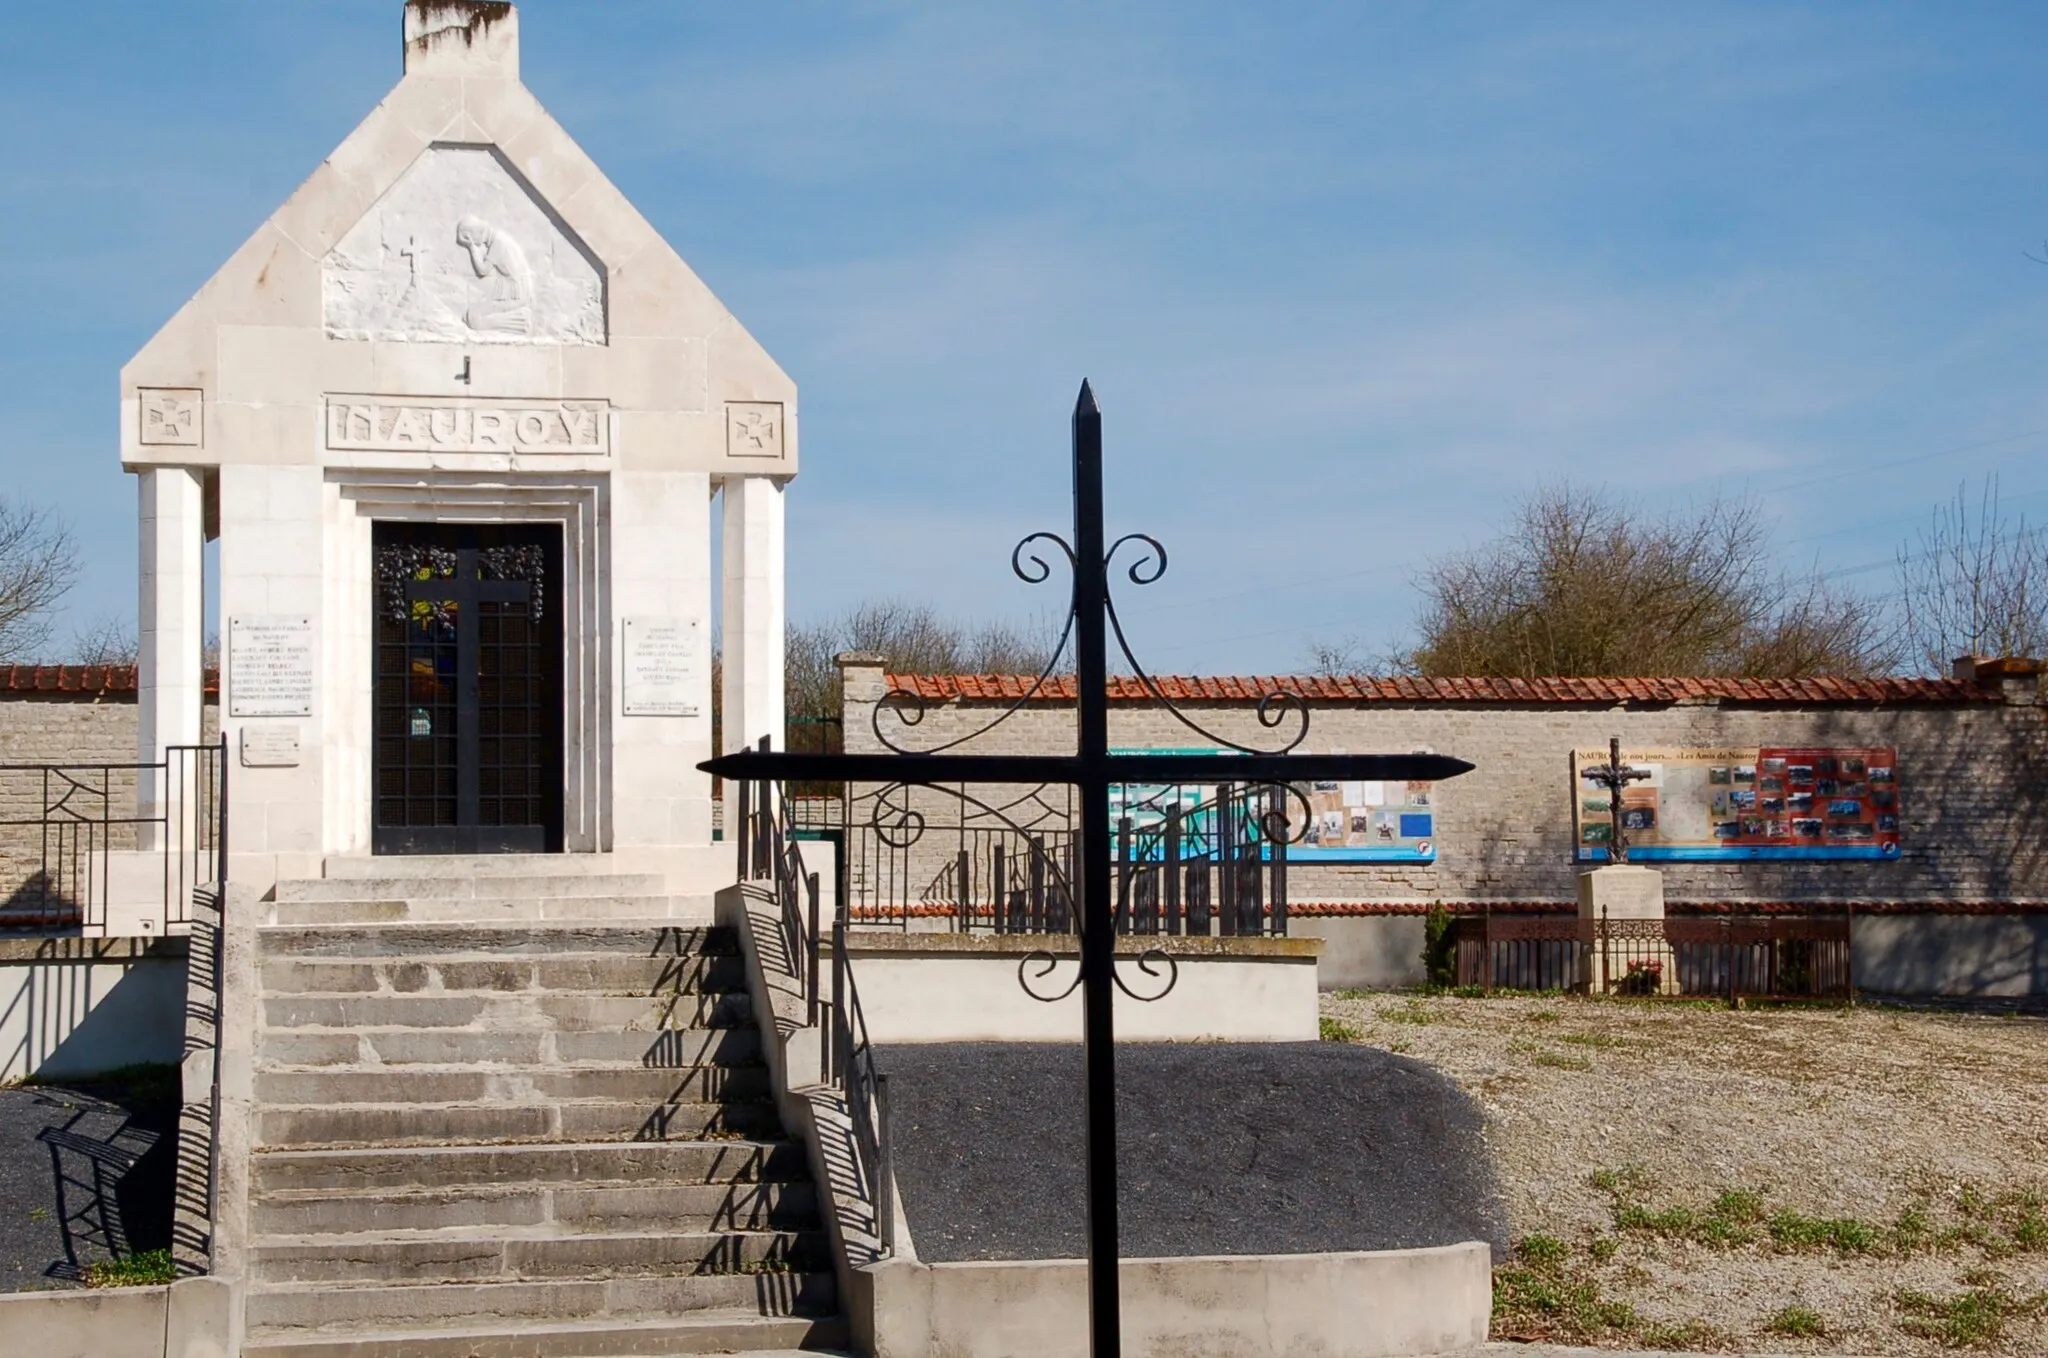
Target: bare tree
[913, 639]
[109, 640]
[1584, 583]
[38, 562]
[1976, 585]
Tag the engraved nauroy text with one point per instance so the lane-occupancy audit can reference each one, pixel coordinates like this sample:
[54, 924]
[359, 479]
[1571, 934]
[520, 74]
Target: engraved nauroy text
[383, 424]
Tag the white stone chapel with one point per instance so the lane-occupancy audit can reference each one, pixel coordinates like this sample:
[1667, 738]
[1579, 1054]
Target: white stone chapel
[459, 418]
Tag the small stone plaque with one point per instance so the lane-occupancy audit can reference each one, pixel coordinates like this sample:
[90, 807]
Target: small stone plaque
[170, 416]
[753, 429]
[1621, 891]
[661, 667]
[271, 746]
[270, 666]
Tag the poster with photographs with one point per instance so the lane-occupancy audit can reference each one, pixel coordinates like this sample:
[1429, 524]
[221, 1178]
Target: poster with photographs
[1346, 822]
[1778, 802]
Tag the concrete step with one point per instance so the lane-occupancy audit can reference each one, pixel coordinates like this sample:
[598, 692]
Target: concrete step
[587, 1164]
[491, 910]
[711, 1331]
[673, 1049]
[606, 973]
[517, 1256]
[429, 1124]
[398, 887]
[369, 942]
[276, 1309]
[359, 866]
[564, 1012]
[564, 1207]
[512, 1085]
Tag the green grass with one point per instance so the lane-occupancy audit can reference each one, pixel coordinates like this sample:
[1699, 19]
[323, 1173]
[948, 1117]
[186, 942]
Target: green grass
[1539, 1297]
[1409, 1012]
[1971, 1318]
[1559, 1061]
[151, 1268]
[1336, 1030]
[1848, 1235]
[1545, 1016]
[1797, 1322]
[1592, 1040]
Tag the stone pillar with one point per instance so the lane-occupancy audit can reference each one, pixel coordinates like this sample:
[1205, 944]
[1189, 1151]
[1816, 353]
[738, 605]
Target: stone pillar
[753, 622]
[1631, 901]
[171, 622]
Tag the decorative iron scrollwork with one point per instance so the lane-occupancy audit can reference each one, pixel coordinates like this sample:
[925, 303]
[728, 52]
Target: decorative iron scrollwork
[1030, 566]
[527, 563]
[402, 564]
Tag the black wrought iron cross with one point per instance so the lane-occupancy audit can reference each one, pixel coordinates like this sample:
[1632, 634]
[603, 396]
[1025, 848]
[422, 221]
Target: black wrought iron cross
[1092, 770]
[1614, 776]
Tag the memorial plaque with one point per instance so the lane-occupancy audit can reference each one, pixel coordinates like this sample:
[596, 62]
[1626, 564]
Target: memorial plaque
[270, 666]
[661, 667]
[271, 746]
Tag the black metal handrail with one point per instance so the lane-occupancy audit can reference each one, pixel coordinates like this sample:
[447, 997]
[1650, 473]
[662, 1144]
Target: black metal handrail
[864, 1088]
[76, 831]
[770, 851]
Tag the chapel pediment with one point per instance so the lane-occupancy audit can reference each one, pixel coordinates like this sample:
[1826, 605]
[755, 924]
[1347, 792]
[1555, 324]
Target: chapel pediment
[462, 250]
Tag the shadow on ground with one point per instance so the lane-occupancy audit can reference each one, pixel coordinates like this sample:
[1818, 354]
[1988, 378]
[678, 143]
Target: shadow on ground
[1223, 1148]
[87, 1171]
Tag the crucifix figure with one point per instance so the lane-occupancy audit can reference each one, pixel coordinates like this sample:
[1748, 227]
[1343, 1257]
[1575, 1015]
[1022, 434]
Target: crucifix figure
[1092, 771]
[1614, 776]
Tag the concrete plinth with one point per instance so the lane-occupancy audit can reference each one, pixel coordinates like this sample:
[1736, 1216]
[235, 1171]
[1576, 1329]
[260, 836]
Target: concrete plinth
[1629, 901]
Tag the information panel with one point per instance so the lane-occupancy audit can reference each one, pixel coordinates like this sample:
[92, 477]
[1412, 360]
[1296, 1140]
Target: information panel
[1348, 822]
[1774, 802]
[660, 665]
[270, 666]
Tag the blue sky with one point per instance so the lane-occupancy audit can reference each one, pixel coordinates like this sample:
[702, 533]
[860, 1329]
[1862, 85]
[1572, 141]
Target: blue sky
[1349, 278]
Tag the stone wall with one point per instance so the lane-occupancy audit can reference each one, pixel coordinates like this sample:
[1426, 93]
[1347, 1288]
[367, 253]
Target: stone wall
[1971, 759]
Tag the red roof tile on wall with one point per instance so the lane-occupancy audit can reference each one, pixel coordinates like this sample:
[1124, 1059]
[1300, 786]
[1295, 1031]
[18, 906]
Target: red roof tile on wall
[103, 681]
[1365, 689]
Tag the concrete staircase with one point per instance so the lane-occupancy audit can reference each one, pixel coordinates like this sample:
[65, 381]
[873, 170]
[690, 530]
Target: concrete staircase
[516, 1109]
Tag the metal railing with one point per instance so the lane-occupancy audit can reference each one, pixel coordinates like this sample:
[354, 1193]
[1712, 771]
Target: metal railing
[1731, 957]
[1188, 861]
[850, 1067]
[78, 836]
[770, 851]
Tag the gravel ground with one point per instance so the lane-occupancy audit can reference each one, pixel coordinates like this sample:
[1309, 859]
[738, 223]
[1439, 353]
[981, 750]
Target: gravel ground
[1912, 1147]
[1222, 1149]
[97, 1168]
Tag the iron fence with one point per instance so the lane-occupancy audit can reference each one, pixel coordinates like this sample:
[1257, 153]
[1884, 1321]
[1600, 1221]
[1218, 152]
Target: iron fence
[1728, 957]
[1188, 860]
[80, 841]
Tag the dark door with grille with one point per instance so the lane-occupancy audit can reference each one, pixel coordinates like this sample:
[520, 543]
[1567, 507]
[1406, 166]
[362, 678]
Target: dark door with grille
[468, 694]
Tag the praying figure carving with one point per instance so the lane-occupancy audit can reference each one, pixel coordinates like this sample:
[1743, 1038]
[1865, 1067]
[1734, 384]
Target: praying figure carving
[503, 305]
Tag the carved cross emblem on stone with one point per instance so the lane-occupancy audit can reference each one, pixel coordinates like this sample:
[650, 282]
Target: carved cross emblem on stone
[754, 429]
[170, 416]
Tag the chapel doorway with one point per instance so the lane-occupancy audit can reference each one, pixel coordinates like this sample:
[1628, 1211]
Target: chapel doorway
[467, 689]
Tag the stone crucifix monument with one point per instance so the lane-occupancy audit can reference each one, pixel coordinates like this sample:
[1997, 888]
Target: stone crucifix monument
[460, 419]
[1621, 906]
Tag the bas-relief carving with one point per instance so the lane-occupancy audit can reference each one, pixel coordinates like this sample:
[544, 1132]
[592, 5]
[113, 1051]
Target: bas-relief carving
[753, 428]
[461, 251]
[170, 416]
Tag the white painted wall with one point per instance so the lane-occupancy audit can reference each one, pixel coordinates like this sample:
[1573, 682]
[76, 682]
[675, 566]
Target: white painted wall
[964, 988]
